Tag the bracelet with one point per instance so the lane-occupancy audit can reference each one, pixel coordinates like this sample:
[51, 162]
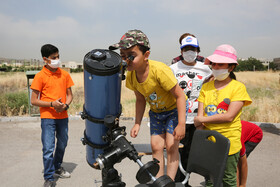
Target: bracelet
[67, 106]
[51, 104]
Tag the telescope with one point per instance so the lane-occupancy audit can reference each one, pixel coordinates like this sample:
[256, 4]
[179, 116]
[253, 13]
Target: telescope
[104, 138]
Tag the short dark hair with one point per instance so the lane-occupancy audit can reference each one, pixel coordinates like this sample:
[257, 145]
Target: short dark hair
[143, 48]
[48, 49]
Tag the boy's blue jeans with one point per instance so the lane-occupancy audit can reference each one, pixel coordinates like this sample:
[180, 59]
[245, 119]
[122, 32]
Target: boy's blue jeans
[50, 129]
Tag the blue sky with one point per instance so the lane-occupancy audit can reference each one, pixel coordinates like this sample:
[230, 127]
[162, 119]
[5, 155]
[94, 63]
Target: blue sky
[79, 26]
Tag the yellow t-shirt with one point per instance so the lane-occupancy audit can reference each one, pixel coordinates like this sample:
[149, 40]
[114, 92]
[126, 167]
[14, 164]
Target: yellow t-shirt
[217, 102]
[156, 88]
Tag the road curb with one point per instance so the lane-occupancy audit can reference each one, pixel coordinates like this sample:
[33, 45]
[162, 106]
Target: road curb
[145, 119]
[37, 118]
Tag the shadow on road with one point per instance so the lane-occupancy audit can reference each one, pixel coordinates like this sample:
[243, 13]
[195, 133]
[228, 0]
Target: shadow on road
[268, 127]
[68, 166]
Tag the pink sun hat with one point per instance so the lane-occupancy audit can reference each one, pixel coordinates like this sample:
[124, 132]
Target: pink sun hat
[223, 54]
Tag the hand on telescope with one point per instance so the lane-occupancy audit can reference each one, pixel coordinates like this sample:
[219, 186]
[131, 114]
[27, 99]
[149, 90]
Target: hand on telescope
[134, 131]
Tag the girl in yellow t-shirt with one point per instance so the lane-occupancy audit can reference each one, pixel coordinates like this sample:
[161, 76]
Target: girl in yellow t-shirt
[220, 106]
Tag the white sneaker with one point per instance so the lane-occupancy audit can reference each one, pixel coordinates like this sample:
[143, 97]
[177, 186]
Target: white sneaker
[62, 173]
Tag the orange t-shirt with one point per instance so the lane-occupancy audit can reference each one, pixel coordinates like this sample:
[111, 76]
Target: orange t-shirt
[52, 86]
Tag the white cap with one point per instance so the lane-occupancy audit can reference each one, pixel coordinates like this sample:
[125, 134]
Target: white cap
[189, 40]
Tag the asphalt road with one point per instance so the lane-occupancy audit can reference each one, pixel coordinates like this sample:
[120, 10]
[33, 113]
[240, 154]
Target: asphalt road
[21, 156]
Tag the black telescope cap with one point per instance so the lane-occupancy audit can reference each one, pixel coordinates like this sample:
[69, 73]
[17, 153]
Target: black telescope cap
[102, 62]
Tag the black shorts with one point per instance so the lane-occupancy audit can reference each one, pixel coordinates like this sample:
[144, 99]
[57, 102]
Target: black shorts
[250, 146]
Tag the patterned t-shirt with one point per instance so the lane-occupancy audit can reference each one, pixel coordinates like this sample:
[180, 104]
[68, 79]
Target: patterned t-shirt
[217, 102]
[156, 88]
[190, 79]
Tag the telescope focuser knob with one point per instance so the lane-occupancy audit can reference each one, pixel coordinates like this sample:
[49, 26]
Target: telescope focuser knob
[98, 55]
[110, 121]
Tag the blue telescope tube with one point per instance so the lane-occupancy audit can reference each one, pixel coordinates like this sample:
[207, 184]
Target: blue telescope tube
[102, 93]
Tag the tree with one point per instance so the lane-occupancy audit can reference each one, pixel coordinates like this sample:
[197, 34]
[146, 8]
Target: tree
[251, 64]
[273, 66]
[5, 68]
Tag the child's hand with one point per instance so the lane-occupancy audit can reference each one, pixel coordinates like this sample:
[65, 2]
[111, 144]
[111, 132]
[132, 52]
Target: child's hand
[197, 122]
[200, 127]
[134, 131]
[179, 132]
[58, 105]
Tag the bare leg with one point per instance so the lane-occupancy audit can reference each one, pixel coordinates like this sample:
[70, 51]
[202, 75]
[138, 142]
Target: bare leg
[172, 149]
[157, 144]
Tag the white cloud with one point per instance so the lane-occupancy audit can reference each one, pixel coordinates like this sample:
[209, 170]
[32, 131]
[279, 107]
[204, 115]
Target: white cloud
[21, 38]
[77, 26]
[220, 12]
[57, 28]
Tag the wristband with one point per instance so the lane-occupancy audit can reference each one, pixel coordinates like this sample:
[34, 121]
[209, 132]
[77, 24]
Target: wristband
[67, 106]
[51, 104]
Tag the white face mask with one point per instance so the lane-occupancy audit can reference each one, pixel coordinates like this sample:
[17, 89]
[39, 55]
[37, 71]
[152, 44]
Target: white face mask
[220, 74]
[54, 63]
[189, 56]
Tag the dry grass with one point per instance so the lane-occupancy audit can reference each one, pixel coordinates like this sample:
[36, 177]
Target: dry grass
[263, 88]
[128, 102]
[78, 94]
[12, 82]
[267, 80]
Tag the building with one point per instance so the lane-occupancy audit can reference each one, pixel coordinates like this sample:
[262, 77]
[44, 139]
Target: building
[72, 65]
[36, 63]
[265, 61]
[20, 62]
[276, 61]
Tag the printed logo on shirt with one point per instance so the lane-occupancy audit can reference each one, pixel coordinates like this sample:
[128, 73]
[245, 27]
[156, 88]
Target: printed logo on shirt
[186, 87]
[183, 84]
[153, 96]
[191, 87]
[220, 109]
[190, 74]
[155, 101]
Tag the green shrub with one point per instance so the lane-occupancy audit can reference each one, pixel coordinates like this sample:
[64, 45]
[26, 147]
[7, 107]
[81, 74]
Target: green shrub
[14, 103]
[77, 70]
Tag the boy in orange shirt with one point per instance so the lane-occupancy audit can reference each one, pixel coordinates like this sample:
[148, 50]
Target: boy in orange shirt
[52, 93]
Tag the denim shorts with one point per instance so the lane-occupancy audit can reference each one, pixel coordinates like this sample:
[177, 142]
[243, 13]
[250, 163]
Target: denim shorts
[163, 122]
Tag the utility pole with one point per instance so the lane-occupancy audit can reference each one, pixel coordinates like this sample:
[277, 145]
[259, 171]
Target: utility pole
[268, 67]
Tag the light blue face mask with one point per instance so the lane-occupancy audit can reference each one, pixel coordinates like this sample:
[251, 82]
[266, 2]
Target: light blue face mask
[54, 63]
[220, 74]
[189, 56]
